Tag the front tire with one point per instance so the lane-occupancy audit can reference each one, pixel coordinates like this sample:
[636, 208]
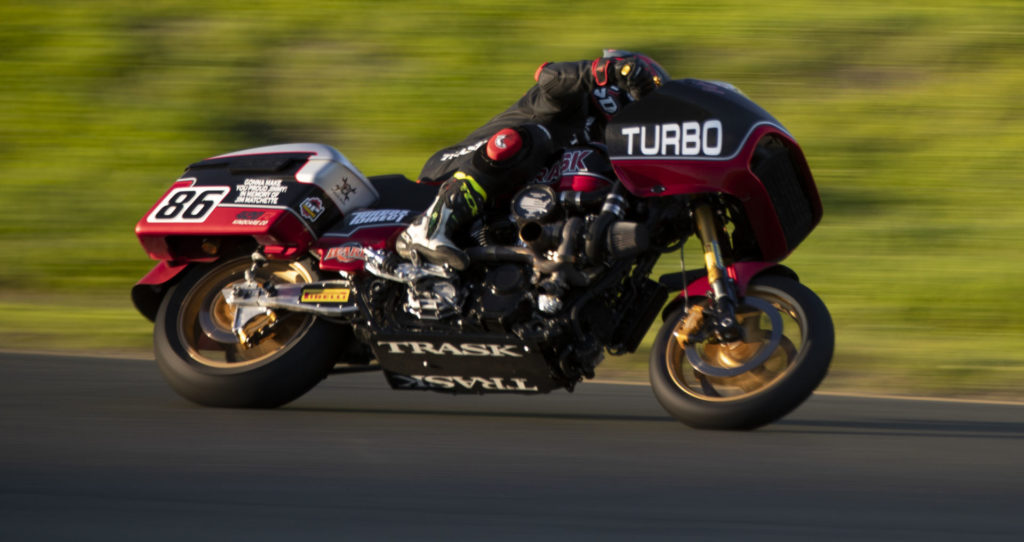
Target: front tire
[801, 353]
[203, 361]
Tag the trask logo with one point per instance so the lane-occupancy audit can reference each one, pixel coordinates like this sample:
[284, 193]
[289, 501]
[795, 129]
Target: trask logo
[420, 348]
[471, 383]
[572, 162]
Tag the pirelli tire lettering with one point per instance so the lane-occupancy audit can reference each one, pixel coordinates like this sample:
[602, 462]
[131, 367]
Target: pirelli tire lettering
[325, 295]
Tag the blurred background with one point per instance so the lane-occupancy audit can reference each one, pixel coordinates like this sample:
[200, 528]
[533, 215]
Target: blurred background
[910, 114]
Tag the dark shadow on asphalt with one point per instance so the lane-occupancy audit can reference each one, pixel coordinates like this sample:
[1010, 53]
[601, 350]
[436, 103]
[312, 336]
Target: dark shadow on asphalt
[479, 414]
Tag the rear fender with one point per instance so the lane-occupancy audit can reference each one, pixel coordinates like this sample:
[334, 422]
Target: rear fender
[149, 291]
[741, 273]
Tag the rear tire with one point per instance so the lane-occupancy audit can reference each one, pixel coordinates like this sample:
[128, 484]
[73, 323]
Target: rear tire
[763, 394]
[202, 360]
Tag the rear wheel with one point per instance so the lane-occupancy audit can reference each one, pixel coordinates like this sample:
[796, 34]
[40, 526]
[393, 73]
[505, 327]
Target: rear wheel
[784, 354]
[203, 360]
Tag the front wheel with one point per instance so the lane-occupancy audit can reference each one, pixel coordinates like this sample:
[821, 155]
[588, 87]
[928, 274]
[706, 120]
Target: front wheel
[779, 361]
[203, 360]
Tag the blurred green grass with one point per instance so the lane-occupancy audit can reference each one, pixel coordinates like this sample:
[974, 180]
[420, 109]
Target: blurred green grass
[910, 114]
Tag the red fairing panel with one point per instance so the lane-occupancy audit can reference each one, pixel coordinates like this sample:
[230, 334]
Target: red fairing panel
[666, 176]
[185, 211]
[283, 196]
[338, 252]
[648, 176]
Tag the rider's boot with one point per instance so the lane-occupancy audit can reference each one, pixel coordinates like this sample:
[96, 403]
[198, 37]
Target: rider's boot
[459, 201]
[511, 154]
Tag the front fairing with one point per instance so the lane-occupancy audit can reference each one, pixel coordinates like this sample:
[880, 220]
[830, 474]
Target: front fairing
[696, 137]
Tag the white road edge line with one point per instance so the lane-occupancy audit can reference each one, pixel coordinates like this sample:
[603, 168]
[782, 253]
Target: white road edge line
[858, 395]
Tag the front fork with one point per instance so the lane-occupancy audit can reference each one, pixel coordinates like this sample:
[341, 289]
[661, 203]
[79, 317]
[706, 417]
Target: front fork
[722, 311]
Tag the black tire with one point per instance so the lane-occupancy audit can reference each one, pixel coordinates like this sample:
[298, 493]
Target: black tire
[764, 393]
[203, 362]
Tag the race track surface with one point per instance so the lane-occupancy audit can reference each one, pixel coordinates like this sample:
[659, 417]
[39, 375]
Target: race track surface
[98, 449]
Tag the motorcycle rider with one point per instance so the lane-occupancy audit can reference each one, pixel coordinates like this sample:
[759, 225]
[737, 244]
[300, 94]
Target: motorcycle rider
[570, 104]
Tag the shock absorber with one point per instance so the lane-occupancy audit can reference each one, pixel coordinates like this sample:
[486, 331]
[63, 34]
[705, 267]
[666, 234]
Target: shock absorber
[726, 328]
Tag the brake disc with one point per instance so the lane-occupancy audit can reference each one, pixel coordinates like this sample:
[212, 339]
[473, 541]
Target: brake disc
[762, 355]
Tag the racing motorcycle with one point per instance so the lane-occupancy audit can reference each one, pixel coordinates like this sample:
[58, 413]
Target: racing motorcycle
[277, 267]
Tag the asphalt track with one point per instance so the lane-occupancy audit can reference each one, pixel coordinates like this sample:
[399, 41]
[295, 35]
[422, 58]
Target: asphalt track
[101, 449]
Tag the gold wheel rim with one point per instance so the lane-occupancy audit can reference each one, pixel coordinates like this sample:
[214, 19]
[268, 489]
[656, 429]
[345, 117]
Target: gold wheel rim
[205, 319]
[735, 354]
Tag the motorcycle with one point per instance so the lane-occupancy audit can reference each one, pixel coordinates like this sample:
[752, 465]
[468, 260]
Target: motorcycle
[277, 267]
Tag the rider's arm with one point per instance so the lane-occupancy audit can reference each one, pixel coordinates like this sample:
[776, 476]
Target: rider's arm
[565, 85]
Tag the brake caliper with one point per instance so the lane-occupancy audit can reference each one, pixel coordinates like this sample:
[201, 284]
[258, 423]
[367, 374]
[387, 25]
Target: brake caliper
[688, 332]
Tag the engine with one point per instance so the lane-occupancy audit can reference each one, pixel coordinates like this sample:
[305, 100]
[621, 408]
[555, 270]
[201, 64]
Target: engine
[563, 270]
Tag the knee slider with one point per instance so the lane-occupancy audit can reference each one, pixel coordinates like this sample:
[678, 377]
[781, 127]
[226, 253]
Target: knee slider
[504, 145]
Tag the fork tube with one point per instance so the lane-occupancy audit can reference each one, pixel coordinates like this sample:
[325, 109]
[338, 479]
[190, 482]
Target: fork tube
[718, 276]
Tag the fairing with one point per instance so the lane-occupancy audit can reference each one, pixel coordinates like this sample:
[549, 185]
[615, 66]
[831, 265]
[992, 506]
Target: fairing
[699, 137]
[283, 196]
[341, 247]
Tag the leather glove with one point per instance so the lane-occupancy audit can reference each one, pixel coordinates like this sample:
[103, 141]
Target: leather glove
[635, 77]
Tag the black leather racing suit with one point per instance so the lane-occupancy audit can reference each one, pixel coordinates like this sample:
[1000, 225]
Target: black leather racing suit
[567, 100]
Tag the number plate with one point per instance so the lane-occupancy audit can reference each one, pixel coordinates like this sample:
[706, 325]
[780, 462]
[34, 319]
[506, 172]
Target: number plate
[189, 204]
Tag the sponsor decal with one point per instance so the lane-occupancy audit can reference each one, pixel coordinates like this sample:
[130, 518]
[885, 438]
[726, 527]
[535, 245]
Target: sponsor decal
[572, 162]
[609, 101]
[325, 295]
[419, 348]
[689, 138]
[344, 190]
[311, 208]
[472, 383]
[536, 203]
[188, 204]
[463, 151]
[378, 216]
[260, 191]
[549, 175]
[348, 252]
[250, 218]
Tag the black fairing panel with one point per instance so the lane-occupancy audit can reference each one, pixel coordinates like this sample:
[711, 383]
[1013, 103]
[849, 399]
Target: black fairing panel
[398, 192]
[688, 100]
